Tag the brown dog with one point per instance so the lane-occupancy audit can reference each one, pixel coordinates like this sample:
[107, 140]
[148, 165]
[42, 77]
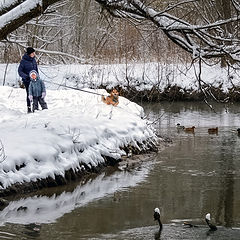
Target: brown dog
[112, 99]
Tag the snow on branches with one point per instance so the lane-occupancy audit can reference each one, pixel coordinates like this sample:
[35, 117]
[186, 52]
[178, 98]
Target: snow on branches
[206, 40]
[14, 13]
[214, 33]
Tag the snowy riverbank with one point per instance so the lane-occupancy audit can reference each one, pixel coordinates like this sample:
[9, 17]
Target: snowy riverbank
[136, 77]
[78, 132]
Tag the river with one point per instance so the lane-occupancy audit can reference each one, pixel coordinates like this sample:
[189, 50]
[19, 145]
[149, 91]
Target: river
[197, 174]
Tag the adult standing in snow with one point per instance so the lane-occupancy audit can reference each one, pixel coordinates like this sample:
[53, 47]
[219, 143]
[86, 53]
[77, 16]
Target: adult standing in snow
[27, 64]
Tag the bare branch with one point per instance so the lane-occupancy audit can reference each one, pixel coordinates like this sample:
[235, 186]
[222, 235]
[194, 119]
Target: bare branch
[199, 40]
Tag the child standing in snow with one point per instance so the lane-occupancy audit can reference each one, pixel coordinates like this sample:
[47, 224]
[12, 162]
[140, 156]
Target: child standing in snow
[37, 91]
[27, 64]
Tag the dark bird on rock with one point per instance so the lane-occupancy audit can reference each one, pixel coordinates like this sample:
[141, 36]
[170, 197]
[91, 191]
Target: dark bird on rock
[156, 216]
[208, 219]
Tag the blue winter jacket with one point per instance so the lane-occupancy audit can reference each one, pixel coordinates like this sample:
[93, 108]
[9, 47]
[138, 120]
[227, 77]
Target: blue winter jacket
[27, 64]
[36, 87]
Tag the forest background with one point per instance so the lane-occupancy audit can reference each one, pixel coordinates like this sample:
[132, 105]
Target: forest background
[82, 32]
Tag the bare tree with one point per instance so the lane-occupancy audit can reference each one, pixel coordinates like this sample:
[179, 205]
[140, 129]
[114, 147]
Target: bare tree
[211, 36]
[208, 40]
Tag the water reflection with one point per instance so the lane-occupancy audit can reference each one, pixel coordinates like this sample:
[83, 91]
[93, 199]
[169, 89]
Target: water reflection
[227, 169]
[44, 209]
[191, 114]
[200, 173]
[171, 232]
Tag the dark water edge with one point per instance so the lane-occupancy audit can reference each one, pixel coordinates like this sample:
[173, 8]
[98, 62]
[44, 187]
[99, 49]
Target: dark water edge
[72, 175]
[199, 173]
[177, 93]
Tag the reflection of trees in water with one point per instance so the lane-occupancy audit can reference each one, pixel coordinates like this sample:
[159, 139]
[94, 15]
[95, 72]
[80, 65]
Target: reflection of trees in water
[32, 230]
[226, 194]
[191, 114]
[44, 209]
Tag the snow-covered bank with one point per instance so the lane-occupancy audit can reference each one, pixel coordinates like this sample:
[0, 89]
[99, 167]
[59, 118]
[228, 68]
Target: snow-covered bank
[139, 82]
[139, 76]
[78, 131]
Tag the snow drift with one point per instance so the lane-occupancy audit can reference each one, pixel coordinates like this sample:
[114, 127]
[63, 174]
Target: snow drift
[77, 131]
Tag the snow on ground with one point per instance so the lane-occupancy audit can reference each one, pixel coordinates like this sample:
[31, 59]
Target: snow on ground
[140, 76]
[77, 128]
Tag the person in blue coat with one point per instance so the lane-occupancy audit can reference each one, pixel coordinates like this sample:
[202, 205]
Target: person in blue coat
[27, 64]
[37, 91]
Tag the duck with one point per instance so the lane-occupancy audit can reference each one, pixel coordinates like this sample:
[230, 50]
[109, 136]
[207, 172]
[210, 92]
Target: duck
[208, 219]
[238, 130]
[190, 129]
[156, 216]
[179, 126]
[213, 130]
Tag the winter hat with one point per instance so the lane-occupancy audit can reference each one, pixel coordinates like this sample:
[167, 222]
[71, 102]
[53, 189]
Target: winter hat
[33, 72]
[30, 50]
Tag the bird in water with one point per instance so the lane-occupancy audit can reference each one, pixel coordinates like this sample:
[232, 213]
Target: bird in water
[208, 219]
[179, 126]
[213, 130]
[238, 131]
[190, 129]
[156, 216]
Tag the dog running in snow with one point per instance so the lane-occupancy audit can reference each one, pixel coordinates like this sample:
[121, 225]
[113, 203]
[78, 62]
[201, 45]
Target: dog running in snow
[112, 99]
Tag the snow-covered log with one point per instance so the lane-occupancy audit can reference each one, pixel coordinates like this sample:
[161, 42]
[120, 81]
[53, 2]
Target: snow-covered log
[14, 13]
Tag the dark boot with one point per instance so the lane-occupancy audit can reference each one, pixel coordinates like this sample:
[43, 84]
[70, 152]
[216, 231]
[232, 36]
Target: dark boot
[35, 103]
[42, 103]
[29, 110]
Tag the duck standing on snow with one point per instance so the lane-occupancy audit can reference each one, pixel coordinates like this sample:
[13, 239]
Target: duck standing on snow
[156, 216]
[208, 219]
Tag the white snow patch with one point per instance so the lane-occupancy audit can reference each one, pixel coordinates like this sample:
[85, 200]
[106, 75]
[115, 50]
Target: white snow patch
[78, 128]
[139, 76]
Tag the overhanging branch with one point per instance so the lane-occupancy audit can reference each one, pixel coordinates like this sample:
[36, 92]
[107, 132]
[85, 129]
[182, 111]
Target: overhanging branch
[200, 40]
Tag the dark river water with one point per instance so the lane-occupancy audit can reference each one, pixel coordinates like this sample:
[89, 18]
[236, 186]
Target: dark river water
[197, 174]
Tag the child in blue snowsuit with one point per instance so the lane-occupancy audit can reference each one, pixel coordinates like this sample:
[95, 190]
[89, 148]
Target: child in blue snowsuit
[37, 91]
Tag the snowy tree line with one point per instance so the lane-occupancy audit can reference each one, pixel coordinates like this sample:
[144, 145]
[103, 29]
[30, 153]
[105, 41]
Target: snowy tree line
[121, 30]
